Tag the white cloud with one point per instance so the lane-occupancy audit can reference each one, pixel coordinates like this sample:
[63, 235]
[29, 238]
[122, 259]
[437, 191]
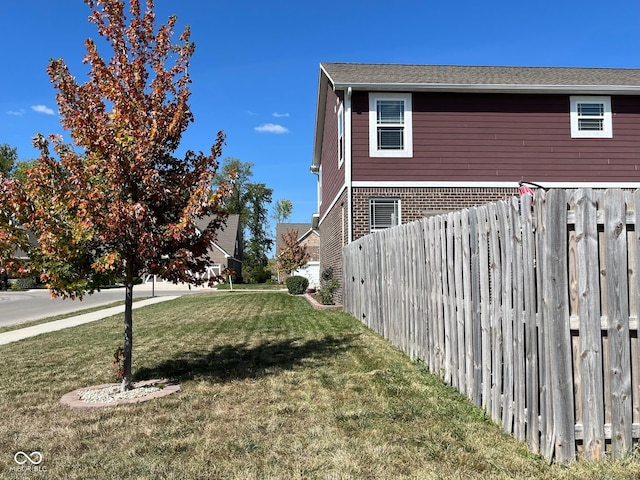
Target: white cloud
[280, 115]
[271, 128]
[42, 109]
[16, 113]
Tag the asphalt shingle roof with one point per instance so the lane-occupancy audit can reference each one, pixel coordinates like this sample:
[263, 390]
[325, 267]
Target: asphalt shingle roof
[353, 74]
[283, 228]
[225, 237]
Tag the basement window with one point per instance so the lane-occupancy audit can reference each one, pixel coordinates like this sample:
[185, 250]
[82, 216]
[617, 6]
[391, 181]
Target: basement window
[383, 213]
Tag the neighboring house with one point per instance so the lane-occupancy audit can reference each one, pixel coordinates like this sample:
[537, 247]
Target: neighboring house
[226, 251]
[394, 143]
[309, 237]
[20, 254]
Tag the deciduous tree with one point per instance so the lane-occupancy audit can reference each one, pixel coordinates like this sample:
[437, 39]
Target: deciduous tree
[250, 201]
[12, 235]
[118, 202]
[8, 158]
[258, 243]
[292, 254]
[241, 172]
[282, 210]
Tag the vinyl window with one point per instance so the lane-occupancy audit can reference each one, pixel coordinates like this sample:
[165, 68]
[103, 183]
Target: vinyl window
[390, 125]
[591, 117]
[383, 213]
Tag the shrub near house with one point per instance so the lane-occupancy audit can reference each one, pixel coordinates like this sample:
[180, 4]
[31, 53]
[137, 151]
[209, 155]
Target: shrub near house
[297, 285]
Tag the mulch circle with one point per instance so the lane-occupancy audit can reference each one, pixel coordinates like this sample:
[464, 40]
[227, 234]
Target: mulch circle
[75, 402]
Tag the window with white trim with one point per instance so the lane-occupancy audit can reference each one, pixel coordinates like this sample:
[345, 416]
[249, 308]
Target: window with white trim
[591, 117]
[340, 136]
[390, 125]
[383, 213]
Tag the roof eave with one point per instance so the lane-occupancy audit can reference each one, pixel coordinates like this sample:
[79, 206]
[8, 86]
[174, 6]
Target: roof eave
[221, 250]
[495, 88]
[306, 234]
[323, 82]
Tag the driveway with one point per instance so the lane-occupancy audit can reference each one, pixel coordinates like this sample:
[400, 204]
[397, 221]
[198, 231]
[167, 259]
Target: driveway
[20, 307]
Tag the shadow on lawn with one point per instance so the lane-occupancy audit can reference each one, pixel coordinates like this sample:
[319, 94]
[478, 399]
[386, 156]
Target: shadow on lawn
[240, 361]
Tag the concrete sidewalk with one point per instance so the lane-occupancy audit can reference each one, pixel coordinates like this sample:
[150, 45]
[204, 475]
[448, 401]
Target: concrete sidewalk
[15, 335]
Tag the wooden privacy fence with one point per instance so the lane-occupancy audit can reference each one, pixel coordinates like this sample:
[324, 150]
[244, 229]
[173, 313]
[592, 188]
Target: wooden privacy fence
[529, 307]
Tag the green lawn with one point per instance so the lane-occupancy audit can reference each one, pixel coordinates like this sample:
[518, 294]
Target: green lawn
[271, 389]
[250, 286]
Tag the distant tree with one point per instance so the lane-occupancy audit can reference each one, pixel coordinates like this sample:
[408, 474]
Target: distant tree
[292, 255]
[282, 210]
[125, 205]
[8, 159]
[12, 234]
[250, 201]
[21, 168]
[241, 172]
[258, 242]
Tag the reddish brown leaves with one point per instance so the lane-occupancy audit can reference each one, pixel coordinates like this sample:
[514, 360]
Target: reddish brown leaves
[118, 201]
[293, 255]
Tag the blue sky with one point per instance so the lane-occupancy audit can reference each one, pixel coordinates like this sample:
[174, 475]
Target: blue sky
[255, 70]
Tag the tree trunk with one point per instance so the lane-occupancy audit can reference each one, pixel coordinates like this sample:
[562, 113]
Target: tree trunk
[128, 335]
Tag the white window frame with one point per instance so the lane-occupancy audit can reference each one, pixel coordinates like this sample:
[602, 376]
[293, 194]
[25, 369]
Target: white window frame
[407, 126]
[340, 136]
[576, 117]
[385, 200]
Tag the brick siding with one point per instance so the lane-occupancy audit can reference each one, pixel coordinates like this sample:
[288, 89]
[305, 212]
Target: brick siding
[416, 203]
[332, 240]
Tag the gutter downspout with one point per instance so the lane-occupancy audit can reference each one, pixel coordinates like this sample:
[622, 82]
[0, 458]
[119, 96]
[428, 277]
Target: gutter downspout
[347, 163]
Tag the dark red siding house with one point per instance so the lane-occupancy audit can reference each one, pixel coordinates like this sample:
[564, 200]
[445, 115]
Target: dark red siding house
[394, 143]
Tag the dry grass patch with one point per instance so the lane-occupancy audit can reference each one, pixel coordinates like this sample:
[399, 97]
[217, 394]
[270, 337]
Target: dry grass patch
[271, 389]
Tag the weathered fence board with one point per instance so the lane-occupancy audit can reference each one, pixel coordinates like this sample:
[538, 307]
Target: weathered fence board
[467, 319]
[618, 321]
[529, 307]
[474, 319]
[519, 387]
[485, 308]
[557, 327]
[590, 354]
[508, 340]
[532, 398]
[496, 311]
[460, 362]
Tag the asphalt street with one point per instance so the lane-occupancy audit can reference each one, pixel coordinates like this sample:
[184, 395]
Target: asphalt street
[20, 307]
